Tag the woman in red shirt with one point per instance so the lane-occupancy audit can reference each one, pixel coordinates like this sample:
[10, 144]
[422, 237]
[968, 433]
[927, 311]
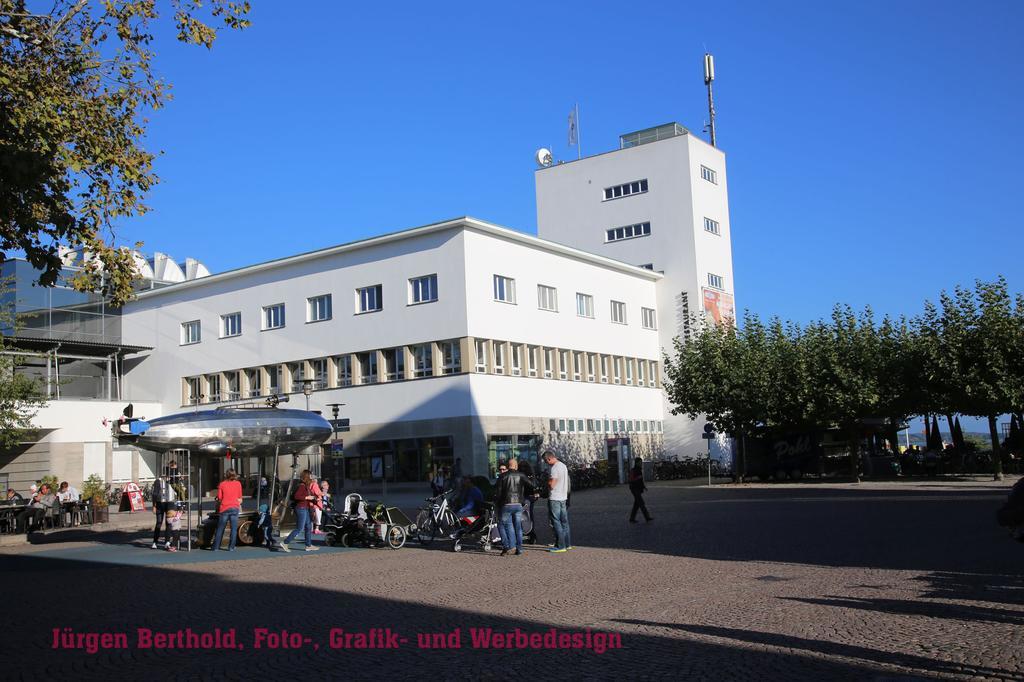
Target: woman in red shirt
[307, 495]
[229, 504]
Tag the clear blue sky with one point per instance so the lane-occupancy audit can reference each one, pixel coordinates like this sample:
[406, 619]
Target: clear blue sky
[874, 149]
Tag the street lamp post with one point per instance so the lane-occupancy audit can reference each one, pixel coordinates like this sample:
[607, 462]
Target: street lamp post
[335, 411]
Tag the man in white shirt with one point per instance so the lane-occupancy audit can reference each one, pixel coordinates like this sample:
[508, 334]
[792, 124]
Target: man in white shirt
[558, 502]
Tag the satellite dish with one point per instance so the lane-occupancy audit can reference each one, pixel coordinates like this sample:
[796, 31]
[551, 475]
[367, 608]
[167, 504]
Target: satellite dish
[543, 157]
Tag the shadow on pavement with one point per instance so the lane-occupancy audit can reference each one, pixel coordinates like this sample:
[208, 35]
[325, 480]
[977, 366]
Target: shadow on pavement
[934, 531]
[97, 599]
[817, 647]
[909, 607]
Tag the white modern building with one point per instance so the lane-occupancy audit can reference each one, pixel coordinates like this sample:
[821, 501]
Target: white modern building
[660, 202]
[457, 340]
[460, 340]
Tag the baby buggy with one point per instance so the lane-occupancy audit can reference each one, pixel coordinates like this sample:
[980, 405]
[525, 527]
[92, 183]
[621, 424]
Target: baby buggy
[360, 523]
[476, 530]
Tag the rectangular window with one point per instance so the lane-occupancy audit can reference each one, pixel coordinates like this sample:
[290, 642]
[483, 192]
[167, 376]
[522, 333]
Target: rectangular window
[652, 375]
[641, 372]
[369, 299]
[584, 305]
[345, 370]
[607, 426]
[618, 312]
[273, 316]
[576, 362]
[549, 362]
[715, 281]
[423, 289]
[579, 425]
[394, 363]
[213, 381]
[517, 360]
[255, 383]
[561, 425]
[648, 318]
[712, 226]
[547, 298]
[191, 332]
[572, 425]
[617, 370]
[318, 308]
[423, 361]
[604, 369]
[590, 425]
[590, 367]
[504, 289]
[628, 232]
[367, 367]
[195, 395]
[230, 325]
[531, 360]
[481, 356]
[629, 371]
[625, 189]
[275, 379]
[709, 175]
[451, 357]
[563, 364]
[319, 367]
[499, 357]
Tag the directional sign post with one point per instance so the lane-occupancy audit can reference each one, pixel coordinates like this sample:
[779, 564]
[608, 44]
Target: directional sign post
[340, 425]
[709, 435]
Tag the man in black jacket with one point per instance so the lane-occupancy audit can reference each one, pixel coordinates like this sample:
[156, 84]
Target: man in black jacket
[512, 491]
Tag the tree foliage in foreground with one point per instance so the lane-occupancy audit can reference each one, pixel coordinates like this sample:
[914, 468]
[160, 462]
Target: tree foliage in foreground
[76, 82]
[964, 355]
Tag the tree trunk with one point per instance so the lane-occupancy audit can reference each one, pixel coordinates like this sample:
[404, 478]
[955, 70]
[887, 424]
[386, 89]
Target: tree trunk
[854, 442]
[997, 459]
[952, 433]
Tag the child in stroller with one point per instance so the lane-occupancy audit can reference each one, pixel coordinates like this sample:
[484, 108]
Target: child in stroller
[476, 528]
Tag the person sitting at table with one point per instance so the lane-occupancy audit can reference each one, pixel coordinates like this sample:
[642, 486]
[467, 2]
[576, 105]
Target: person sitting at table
[37, 510]
[14, 497]
[68, 496]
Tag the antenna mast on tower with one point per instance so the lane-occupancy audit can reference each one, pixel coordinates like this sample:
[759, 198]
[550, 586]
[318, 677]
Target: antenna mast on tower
[709, 77]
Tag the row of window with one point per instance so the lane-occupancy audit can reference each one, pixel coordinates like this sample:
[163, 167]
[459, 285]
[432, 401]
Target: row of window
[368, 299]
[628, 232]
[418, 361]
[518, 359]
[604, 425]
[547, 299]
[625, 189]
[640, 186]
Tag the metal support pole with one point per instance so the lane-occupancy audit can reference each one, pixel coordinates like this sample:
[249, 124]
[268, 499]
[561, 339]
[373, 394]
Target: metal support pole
[709, 462]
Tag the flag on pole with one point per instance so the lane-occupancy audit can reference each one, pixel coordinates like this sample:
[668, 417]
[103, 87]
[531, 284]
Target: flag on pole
[573, 131]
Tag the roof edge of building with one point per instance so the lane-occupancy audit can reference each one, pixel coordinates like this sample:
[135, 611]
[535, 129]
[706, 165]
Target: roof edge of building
[463, 222]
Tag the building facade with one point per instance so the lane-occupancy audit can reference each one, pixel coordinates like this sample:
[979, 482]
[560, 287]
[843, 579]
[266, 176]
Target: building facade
[460, 340]
[660, 201]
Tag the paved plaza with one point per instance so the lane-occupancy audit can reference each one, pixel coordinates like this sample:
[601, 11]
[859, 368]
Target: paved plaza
[881, 581]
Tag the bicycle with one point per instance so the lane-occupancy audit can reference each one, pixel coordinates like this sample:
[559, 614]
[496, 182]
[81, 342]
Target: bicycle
[436, 520]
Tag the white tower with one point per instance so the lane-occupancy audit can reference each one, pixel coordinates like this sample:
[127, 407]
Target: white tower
[660, 201]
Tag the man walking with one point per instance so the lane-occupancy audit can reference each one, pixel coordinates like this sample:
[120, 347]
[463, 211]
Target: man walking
[558, 502]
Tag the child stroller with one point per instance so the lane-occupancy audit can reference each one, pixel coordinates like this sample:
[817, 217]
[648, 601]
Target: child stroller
[366, 524]
[476, 529]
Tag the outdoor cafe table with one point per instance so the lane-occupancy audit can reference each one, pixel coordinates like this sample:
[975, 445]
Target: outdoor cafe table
[8, 514]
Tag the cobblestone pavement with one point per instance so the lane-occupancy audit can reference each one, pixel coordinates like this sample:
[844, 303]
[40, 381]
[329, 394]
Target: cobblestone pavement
[890, 582]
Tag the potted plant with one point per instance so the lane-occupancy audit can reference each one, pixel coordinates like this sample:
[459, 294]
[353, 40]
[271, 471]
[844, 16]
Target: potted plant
[94, 492]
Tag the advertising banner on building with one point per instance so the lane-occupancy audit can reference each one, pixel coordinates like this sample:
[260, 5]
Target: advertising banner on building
[719, 305]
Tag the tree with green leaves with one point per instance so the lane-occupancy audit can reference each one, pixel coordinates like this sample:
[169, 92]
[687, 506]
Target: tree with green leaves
[20, 396]
[77, 81]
